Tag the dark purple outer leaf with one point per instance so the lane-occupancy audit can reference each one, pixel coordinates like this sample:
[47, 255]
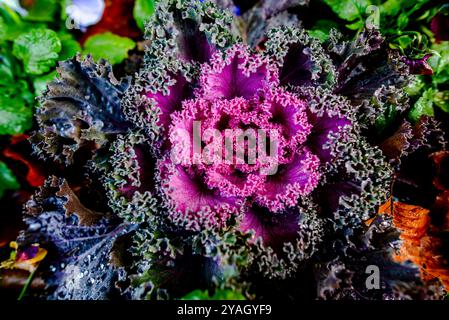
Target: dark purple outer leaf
[78, 264]
[80, 109]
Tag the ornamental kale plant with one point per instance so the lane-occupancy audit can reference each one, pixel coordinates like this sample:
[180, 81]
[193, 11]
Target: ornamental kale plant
[158, 201]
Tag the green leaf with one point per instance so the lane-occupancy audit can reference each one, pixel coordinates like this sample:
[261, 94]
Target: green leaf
[219, 295]
[424, 106]
[349, 10]
[38, 49]
[415, 86]
[441, 99]
[40, 83]
[7, 179]
[10, 11]
[320, 35]
[440, 63]
[143, 10]
[14, 119]
[15, 112]
[11, 24]
[402, 21]
[401, 42]
[412, 44]
[42, 10]
[227, 295]
[7, 67]
[3, 29]
[384, 121]
[12, 32]
[356, 25]
[415, 5]
[322, 28]
[70, 47]
[392, 7]
[109, 46]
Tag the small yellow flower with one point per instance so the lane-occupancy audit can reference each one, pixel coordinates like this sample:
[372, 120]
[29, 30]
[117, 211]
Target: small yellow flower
[24, 259]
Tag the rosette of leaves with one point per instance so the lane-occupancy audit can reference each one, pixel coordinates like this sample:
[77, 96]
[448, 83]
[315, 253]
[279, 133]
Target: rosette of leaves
[303, 232]
[205, 226]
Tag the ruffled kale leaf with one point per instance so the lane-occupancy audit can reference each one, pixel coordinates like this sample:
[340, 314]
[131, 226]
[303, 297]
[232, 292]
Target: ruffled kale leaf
[80, 241]
[253, 19]
[80, 110]
[300, 57]
[365, 67]
[424, 135]
[337, 180]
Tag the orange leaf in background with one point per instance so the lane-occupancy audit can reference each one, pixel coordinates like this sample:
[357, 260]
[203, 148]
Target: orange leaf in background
[412, 220]
[418, 244]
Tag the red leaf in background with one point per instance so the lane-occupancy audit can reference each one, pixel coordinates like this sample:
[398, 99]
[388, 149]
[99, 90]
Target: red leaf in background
[34, 176]
[117, 18]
